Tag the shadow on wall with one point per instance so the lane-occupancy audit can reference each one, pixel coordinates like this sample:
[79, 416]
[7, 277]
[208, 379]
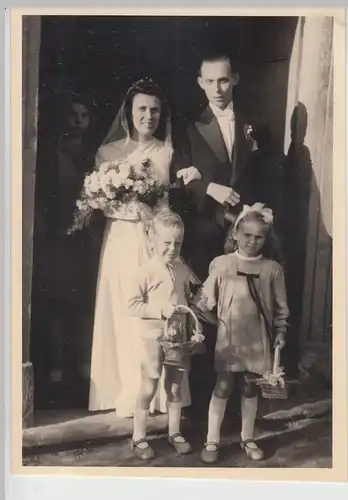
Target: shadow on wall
[267, 50]
[303, 203]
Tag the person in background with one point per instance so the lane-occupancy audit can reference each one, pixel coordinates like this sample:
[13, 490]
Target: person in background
[64, 290]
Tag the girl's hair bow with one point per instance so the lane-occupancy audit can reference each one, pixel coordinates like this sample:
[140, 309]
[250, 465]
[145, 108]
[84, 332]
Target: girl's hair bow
[266, 213]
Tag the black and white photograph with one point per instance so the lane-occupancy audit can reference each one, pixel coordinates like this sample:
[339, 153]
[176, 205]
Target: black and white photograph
[177, 241]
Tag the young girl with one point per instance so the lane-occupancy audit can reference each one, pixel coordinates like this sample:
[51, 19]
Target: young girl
[239, 285]
[162, 284]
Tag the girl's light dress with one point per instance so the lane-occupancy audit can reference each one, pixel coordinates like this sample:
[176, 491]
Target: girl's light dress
[243, 342]
[115, 368]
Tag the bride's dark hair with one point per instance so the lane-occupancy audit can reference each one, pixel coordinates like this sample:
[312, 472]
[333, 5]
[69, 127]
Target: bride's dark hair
[149, 87]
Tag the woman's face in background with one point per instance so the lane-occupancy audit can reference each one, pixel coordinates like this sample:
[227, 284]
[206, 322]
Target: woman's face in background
[78, 119]
[146, 113]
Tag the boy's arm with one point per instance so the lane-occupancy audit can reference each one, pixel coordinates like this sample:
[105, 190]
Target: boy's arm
[138, 303]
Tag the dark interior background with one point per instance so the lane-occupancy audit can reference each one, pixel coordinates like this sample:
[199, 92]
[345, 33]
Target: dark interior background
[102, 56]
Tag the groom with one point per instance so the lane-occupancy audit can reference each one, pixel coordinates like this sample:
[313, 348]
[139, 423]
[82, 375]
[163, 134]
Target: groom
[210, 164]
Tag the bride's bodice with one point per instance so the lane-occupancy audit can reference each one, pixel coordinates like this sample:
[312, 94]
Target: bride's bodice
[157, 152]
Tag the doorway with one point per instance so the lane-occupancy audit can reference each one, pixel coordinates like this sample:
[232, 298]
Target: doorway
[99, 57]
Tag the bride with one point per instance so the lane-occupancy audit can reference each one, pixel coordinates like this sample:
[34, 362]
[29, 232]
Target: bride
[141, 128]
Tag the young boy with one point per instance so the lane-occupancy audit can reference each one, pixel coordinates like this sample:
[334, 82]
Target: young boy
[162, 284]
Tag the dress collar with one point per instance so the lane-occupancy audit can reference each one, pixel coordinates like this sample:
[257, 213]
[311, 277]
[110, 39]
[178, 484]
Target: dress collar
[244, 257]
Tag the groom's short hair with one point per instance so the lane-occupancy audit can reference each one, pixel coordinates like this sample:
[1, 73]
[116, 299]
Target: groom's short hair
[217, 56]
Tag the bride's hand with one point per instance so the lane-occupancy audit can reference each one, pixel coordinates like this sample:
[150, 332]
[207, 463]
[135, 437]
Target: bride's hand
[109, 212]
[189, 174]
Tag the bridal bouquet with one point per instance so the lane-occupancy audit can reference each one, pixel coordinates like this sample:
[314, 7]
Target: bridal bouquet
[118, 186]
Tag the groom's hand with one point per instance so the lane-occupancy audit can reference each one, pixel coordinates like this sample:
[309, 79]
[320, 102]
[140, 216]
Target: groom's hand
[223, 194]
[189, 174]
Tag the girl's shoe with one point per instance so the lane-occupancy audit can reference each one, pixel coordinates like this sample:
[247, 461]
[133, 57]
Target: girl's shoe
[180, 445]
[146, 453]
[211, 455]
[252, 452]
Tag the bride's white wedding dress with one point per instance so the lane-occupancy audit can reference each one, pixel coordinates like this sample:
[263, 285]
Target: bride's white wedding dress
[115, 372]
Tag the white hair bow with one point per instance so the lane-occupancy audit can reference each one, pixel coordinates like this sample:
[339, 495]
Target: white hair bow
[259, 208]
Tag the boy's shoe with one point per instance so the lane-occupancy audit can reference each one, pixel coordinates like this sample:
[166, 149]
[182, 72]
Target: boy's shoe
[146, 453]
[252, 452]
[180, 445]
[210, 452]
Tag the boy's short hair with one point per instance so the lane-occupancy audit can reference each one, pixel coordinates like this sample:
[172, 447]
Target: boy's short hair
[167, 218]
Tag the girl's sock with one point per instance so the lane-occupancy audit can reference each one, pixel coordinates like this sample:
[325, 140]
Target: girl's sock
[174, 417]
[140, 425]
[217, 410]
[249, 410]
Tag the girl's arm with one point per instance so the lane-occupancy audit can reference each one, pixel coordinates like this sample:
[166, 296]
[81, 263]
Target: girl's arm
[280, 303]
[207, 297]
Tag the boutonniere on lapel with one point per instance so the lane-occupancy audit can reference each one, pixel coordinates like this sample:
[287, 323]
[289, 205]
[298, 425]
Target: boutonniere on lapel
[248, 130]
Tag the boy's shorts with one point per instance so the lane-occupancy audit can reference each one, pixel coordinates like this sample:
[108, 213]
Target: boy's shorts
[151, 356]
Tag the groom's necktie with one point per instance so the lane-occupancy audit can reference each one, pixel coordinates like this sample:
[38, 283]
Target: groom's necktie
[226, 121]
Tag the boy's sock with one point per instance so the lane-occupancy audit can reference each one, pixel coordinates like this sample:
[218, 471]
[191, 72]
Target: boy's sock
[174, 418]
[140, 425]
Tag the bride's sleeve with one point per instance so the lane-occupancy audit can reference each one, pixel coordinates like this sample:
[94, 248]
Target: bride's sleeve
[167, 161]
[108, 152]
[99, 158]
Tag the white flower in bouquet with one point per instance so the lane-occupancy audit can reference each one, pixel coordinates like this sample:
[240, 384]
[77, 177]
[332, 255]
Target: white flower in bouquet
[96, 204]
[109, 193]
[115, 179]
[104, 181]
[80, 205]
[128, 183]
[92, 182]
[124, 170]
[140, 167]
[138, 185]
[104, 168]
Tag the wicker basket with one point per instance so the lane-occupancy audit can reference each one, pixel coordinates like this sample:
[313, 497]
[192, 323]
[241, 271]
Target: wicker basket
[274, 386]
[177, 353]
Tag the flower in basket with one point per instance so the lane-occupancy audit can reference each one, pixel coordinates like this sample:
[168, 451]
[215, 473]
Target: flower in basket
[276, 378]
[197, 338]
[173, 329]
[118, 185]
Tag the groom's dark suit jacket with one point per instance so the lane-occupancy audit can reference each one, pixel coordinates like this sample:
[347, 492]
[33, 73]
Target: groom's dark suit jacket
[203, 146]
